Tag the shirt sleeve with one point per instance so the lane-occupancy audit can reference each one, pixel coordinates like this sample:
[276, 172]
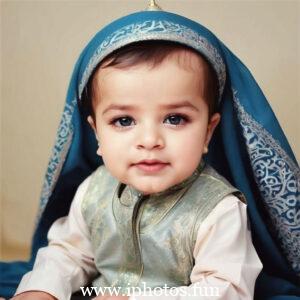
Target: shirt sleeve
[67, 263]
[226, 263]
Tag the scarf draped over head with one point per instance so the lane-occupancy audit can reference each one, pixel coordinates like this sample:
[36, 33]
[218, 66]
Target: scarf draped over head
[248, 148]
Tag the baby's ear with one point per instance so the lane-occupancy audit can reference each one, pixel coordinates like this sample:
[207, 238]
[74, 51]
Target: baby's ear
[91, 122]
[213, 123]
[93, 125]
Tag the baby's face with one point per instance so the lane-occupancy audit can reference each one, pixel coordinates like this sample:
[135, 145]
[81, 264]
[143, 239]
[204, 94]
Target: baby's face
[152, 123]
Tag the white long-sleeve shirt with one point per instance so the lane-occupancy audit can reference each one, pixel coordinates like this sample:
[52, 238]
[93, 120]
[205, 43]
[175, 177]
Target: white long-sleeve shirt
[225, 258]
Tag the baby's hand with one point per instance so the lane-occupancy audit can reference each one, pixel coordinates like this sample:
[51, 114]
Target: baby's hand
[111, 298]
[34, 295]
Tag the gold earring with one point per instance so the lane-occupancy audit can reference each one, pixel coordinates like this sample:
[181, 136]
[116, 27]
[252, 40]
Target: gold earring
[205, 150]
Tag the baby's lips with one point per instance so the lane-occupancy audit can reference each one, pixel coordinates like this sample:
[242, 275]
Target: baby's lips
[151, 161]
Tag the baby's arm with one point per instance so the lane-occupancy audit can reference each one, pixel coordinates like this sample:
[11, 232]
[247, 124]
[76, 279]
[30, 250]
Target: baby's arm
[224, 254]
[226, 263]
[67, 262]
[34, 295]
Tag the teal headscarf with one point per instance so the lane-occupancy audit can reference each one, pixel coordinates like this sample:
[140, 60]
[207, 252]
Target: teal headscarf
[248, 148]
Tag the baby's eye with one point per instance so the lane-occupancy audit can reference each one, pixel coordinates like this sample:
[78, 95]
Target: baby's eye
[176, 119]
[122, 122]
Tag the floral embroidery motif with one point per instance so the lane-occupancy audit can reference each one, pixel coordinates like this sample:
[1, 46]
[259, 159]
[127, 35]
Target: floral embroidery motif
[155, 30]
[278, 178]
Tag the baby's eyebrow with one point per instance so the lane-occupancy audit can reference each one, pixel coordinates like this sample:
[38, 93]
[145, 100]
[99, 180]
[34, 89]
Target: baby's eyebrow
[118, 107]
[183, 104]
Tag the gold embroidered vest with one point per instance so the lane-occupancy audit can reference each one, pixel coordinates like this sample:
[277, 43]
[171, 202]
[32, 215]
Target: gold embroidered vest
[140, 240]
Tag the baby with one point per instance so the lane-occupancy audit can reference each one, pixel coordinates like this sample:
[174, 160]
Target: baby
[175, 112]
[155, 215]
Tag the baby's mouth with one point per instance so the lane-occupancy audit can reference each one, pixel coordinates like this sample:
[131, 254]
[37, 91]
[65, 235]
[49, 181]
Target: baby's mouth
[152, 165]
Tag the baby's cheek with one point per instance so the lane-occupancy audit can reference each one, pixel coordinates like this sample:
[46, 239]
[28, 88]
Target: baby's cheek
[115, 163]
[190, 149]
[108, 147]
[188, 158]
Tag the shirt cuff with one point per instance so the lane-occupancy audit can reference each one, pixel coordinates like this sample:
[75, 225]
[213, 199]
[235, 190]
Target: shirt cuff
[40, 281]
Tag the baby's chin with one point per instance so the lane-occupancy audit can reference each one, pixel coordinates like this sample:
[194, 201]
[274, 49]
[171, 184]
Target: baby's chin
[149, 184]
[152, 188]
[146, 192]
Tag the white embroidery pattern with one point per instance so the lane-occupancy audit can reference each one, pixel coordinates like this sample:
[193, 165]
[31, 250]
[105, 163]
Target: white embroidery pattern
[278, 178]
[59, 152]
[156, 30]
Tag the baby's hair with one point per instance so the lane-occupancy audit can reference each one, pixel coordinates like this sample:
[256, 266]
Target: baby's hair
[153, 53]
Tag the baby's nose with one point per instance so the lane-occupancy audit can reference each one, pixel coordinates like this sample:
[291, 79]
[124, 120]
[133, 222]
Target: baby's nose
[150, 137]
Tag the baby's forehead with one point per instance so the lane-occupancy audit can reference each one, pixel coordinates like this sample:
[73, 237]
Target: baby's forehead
[156, 57]
[188, 59]
[184, 64]
[184, 58]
